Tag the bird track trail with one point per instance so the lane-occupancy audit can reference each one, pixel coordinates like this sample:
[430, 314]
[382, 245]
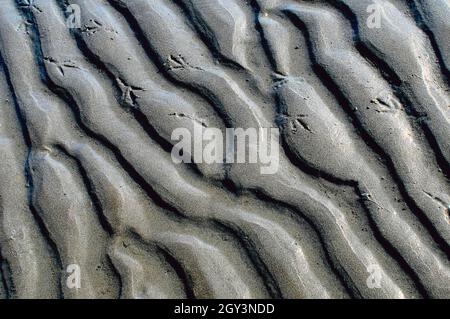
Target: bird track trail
[87, 178]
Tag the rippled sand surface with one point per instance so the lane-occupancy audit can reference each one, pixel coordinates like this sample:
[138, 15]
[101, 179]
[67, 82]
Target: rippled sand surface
[358, 208]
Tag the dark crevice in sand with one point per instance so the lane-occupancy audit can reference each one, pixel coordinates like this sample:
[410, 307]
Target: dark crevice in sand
[89, 186]
[20, 117]
[306, 168]
[434, 44]
[165, 255]
[35, 42]
[96, 62]
[419, 21]
[294, 159]
[329, 218]
[334, 89]
[54, 252]
[388, 74]
[257, 10]
[391, 77]
[51, 245]
[302, 164]
[339, 271]
[183, 276]
[5, 277]
[104, 141]
[387, 161]
[145, 124]
[440, 158]
[229, 184]
[139, 116]
[127, 166]
[35, 36]
[206, 35]
[140, 36]
[379, 64]
[160, 64]
[335, 266]
[270, 283]
[117, 276]
[396, 85]
[392, 251]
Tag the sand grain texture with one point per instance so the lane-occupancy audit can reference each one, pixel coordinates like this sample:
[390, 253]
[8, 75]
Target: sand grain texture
[86, 176]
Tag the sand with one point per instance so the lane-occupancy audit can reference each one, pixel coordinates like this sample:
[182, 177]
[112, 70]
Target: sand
[92, 204]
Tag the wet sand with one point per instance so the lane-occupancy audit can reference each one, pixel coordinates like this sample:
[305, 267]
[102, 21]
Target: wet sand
[92, 204]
